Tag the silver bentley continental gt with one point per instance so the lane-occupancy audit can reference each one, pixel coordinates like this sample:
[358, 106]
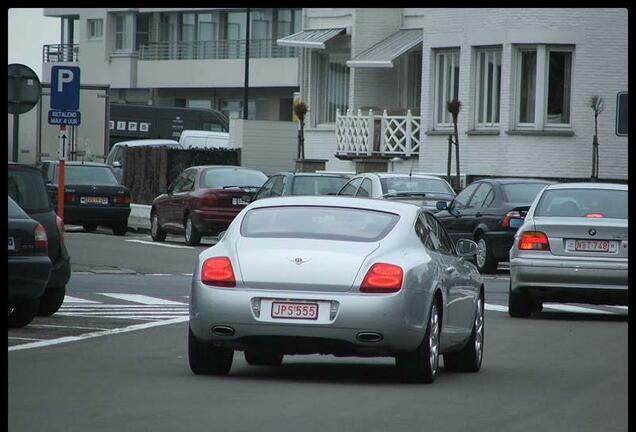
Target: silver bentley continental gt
[341, 276]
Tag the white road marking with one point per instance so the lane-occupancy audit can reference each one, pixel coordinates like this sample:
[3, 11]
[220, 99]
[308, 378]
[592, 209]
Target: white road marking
[158, 274]
[570, 308]
[63, 326]
[69, 299]
[159, 244]
[24, 338]
[138, 298]
[186, 274]
[619, 307]
[495, 307]
[43, 343]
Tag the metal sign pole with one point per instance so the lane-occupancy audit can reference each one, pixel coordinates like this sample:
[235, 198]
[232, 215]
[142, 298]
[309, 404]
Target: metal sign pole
[60, 183]
[16, 132]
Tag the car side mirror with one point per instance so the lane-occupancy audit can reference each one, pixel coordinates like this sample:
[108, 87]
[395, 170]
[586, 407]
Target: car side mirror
[116, 164]
[441, 205]
[466, 248]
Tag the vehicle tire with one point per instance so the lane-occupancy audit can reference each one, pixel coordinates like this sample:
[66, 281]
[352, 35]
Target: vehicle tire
[156, 232]
[191, 234]
[51, 301]
[22, 312]
[470, 357]
[485, 261]
[119, 229]
[262, 358]
[519, 304]
[89, 227]
[206, 359]
[421, 365]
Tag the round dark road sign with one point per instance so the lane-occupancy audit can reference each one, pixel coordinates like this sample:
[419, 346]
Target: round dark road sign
[24, 89]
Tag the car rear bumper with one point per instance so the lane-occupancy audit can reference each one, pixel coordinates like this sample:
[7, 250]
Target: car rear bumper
[571, 280]
[213, 221]
[28, 276]
[95, 214]
[499, 243]
[356, 313]
[61, 270]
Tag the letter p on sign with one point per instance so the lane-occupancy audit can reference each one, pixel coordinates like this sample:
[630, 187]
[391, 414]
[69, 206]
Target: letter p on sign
[65, 88]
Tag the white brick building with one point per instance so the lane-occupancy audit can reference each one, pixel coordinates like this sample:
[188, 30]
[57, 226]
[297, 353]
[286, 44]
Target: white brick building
[524, 77]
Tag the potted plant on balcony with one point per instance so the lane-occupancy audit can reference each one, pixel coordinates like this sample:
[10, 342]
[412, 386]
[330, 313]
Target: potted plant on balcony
[302, 164]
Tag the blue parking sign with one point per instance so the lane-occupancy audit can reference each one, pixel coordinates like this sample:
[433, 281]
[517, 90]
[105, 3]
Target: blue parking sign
[65, 88]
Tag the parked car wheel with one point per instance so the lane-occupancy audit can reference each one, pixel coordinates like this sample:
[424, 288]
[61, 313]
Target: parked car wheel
[156, 232]
[470, 357]
[52, 300]
[22, 312]
[519, 304]
[120, 228]
[206, 359]
[192, 235]
[485, 261]
[421, 365]
[89, 227]
[261, 358]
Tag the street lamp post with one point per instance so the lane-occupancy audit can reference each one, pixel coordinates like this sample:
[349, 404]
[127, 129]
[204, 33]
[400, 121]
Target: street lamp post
[247, 64]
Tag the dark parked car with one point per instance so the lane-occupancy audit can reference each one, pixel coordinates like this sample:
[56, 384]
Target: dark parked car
[203, 200]
[92, 195]
[27, 189]
[419, 189]
[290, 183]
[490, 211]
[29, 265]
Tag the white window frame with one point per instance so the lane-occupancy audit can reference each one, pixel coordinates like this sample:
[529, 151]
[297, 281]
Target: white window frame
[128, 33]
[454, 55]
[94, 24]
[322, 84]
[541, 86]
[492, 87]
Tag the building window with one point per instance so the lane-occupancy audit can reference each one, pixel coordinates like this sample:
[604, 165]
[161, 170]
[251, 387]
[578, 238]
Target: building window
[446, 85]
[142, 30]
[124, 32]
[287, 22]
[233, 108]
[488, 87]
[199, 103]
[544, 85]
[95, 28]
[332, 86]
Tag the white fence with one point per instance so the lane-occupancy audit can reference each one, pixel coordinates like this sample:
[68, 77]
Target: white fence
[357, 134]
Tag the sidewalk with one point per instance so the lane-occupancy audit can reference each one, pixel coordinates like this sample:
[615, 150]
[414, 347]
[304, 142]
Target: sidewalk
[139, 219]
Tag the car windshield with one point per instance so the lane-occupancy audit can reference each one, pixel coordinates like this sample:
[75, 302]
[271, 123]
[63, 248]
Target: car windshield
[583, 203]
[317, 185]
[89, 175]
[225, 178]
[315, 222]
[522, 192]
[14, 210]
[407, 185]
[28, 190]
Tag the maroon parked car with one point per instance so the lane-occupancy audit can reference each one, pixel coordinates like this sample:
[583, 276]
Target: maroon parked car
[203, 200]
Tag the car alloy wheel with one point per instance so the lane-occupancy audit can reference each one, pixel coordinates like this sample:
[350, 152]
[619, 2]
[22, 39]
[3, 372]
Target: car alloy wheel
[156, 232]
[188, 230]
[192, 236]
[433, 340]
[153, 225]
[479, 330]
[481, 253]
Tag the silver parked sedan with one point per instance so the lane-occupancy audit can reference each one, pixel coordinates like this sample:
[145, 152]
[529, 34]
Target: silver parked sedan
[572, 247]
[341, 276]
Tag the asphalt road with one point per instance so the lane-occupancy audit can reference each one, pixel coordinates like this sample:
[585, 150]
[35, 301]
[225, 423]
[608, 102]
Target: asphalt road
[115, 358]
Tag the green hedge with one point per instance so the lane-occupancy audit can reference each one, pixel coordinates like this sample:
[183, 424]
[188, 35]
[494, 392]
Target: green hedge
[179, 159]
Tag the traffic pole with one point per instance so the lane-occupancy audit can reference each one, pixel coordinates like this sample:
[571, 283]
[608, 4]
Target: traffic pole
[60, 183]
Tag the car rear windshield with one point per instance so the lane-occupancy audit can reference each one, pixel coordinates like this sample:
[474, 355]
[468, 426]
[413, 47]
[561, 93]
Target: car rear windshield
[583, 202]
[316, 222]
[317, 185]
[224, 178]
[413, 184]
[14, 210]
[89, 175]
[28, 190]
[522, 192]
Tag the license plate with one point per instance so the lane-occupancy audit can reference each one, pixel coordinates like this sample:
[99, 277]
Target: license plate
[93, 200]
[239, 201]
[592, 246]
[289, 310]
[11, 244]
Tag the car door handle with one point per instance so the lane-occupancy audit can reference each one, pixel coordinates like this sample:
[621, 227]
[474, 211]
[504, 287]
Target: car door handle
[449, 269]
[477, 214]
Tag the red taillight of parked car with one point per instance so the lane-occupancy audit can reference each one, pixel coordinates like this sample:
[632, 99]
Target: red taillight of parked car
[60, 228]
[218, 271]
[512, 219]
[120, 200]
[382, 278]
[41, 240]
[70, 198]
[534, 240]
[209, 200]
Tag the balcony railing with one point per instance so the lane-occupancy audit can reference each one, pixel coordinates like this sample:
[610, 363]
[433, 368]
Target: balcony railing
[54, 53]
[359, 134]
[215, 50]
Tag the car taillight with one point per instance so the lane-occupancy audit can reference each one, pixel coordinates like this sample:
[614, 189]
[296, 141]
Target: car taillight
[120, 200]
[595, 215]
[534, 240]
[70, 197]
[60, 228]
[382, 278]
[218, 271]
[41, 239]
[512, 219]
[209, 201]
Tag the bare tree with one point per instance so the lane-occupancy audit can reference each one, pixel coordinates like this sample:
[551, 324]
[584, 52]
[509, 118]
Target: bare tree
[597, 105]
[454, 107]
[300, 110]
